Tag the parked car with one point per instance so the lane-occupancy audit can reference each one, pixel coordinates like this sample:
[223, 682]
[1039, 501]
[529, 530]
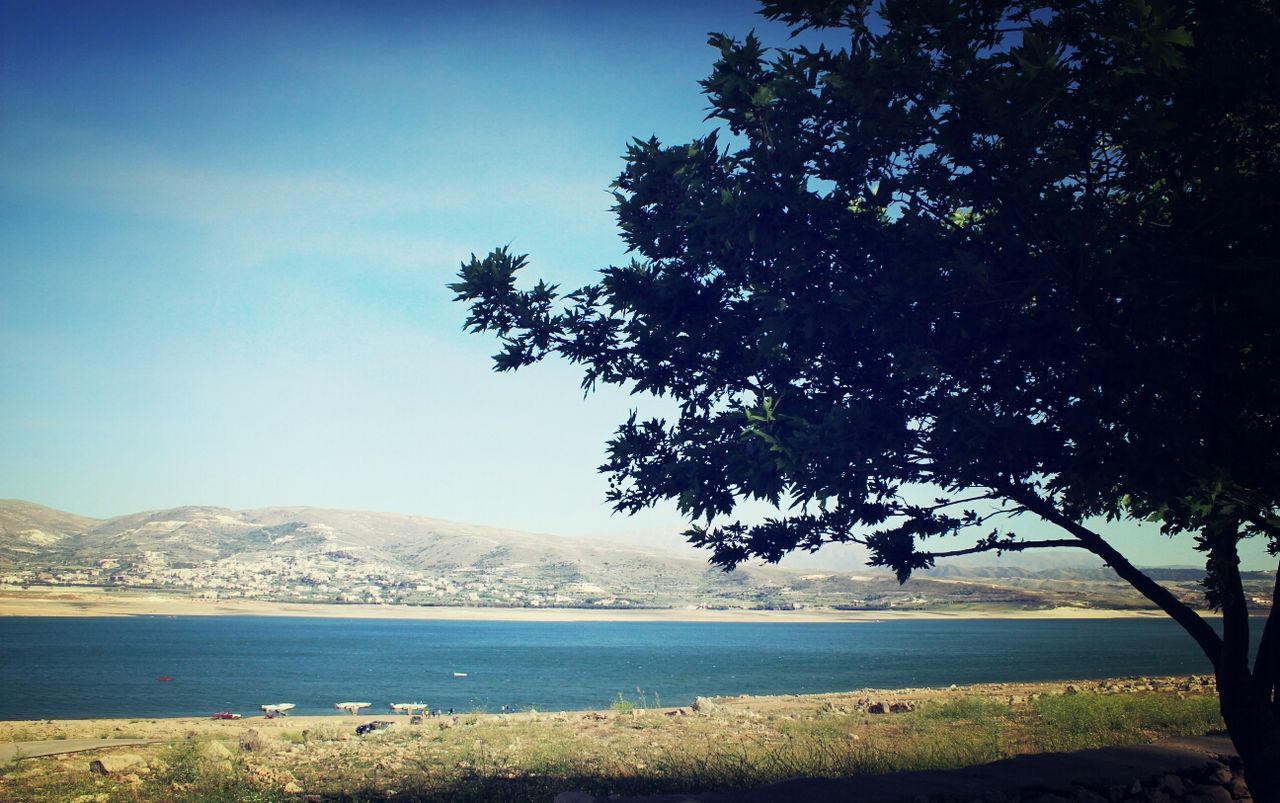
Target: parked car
[377, 726]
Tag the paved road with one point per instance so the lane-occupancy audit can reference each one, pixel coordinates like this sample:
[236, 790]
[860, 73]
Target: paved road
[52, 747]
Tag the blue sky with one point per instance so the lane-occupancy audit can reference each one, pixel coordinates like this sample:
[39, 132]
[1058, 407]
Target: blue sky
[226, 230]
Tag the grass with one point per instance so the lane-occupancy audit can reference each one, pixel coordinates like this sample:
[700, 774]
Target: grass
[640, 702]
[635, 749]
[1080, 721]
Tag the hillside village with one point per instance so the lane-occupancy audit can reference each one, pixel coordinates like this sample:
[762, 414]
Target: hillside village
[348, 557]
[327, 577]
[304, 555]
[337, 577]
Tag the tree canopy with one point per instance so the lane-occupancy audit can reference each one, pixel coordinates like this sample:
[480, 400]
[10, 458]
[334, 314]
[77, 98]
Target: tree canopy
[1021, 254]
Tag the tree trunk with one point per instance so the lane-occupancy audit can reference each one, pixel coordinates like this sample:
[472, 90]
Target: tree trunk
[1249, 701]
[1246, 699]
[1254, 732]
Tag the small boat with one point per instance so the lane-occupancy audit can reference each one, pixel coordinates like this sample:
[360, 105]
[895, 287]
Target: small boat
[408, 708]
[459, 674]
[277, 708]
[226, 715]
[354, 708]
[164, 679]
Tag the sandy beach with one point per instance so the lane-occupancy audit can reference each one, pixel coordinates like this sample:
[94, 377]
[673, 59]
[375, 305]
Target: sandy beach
[72, 601]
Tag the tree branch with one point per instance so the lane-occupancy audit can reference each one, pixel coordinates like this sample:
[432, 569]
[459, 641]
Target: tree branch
[1209, 641]
[1007, 547]
[954, 502]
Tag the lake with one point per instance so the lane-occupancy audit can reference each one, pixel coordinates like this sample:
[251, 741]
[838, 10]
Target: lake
[54, 668]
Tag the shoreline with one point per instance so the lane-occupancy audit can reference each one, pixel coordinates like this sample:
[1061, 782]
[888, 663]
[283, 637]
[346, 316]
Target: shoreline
[752, 741]
[159, 726]
[92, 602]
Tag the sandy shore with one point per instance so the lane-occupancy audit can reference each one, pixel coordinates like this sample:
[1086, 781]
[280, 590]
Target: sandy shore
[48, 601]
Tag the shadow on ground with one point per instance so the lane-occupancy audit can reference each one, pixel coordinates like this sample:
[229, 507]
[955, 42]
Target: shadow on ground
[1201, 769]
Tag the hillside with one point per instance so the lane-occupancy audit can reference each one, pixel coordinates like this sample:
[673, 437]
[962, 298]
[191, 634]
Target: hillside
[310, 554]
[319, 555]
[28, 530]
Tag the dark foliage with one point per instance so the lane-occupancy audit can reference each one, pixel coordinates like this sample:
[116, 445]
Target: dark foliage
[1021, 255]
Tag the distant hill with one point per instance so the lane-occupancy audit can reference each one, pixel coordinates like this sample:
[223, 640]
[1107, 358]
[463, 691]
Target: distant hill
[28, 530]
[317, 554]
[352, 552]
[193, 534]
[853, 558]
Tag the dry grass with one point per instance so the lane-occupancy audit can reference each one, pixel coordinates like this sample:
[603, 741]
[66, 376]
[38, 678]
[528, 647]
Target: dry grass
[628, 750]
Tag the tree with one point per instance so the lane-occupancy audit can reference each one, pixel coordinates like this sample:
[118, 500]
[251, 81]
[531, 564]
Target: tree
[1021, 254]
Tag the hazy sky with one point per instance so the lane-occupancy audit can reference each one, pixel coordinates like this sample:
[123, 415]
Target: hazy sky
[226, 230]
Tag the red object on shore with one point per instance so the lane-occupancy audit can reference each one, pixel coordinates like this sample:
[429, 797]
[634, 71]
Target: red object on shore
[164, 678]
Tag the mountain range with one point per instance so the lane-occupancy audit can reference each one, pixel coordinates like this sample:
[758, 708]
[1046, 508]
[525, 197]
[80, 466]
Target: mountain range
[317, 554]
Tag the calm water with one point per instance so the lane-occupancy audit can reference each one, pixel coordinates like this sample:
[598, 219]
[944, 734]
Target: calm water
[90, 667]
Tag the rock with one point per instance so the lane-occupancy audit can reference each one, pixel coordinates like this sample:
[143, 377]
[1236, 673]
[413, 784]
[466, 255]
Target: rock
[292, 788]
[1116, 793]
[1070, 689]
[215, 751]
[1050, 797]
[901, 707]
[704, 705]
[1207, 793]
[252, 741]
[1157, 796]
[1238, 788]
[876, 708]
[114, 762]
[574, 797]
[1218, 773]
[1084, 795]
[1172, 784]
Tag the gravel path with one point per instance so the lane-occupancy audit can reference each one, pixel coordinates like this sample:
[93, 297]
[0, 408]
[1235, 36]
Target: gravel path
[52, 747]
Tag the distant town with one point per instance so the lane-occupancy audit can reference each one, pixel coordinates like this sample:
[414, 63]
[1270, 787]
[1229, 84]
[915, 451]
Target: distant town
[333, 577]
[308, 555]
[340, 577]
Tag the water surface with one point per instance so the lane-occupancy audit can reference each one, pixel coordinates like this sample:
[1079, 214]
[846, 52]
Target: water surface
[52, 667]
